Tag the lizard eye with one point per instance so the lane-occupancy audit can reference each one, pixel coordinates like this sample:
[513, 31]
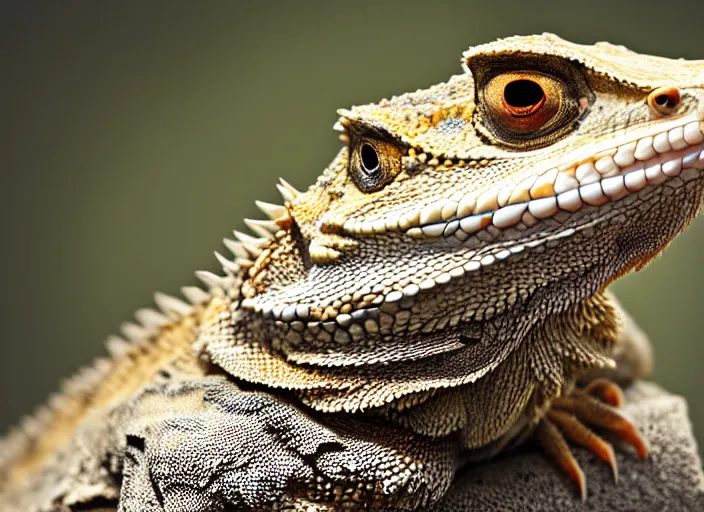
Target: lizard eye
[373, 163]
[523, 98]
[525, 105]
[369, 159]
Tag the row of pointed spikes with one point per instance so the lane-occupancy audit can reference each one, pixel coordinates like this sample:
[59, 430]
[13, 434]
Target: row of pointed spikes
[246, 248]
[150, 321]
[32, 426]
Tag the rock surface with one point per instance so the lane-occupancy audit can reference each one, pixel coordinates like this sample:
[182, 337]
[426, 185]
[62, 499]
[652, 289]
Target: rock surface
[671, 479]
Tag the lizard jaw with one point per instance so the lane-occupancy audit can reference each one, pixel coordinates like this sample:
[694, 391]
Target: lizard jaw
[570, 194]
[623, 181]
[590, 176]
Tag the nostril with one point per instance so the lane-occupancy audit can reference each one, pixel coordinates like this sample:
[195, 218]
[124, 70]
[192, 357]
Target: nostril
[664, 100]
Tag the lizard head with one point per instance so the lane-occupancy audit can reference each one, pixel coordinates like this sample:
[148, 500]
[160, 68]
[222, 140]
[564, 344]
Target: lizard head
[546, 166]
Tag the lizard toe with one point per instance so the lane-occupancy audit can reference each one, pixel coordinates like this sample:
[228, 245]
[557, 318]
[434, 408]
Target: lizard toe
[606, 390]
[555, 445]
[600, 414]
[568, 418]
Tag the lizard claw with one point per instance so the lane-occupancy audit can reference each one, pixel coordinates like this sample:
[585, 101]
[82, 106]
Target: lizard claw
[565, 420]
[607, 391]
[556, 447]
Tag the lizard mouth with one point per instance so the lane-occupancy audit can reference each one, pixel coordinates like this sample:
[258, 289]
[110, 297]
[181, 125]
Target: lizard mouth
[591, 176]
[584, 179]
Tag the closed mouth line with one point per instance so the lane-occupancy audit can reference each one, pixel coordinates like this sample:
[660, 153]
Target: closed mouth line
[624, 167]
[570, 194]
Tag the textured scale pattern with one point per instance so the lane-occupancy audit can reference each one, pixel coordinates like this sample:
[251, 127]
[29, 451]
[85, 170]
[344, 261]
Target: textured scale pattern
[434, 300]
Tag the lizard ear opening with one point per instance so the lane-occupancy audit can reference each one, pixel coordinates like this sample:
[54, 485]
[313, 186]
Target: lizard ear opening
[373, 163]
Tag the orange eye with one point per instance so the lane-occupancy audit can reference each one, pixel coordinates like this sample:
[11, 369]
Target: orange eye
[523, 98]
[522, 102]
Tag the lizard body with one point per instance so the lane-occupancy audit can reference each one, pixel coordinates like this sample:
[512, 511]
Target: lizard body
[437, 296]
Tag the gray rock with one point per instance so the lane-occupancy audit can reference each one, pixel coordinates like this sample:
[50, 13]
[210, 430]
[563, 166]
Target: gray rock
[671, 479]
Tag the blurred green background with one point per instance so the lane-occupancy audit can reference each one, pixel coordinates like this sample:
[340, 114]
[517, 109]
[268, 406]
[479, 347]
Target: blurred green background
[135, 135]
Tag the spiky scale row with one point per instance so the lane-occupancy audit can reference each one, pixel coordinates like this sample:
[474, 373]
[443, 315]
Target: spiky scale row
[116, 346]
[229, 266]
[195, 295]
[236, 248]
[84, 381]
[173, 307]
[248, 247]
[150, 321]
[148, 325]
[251, 244]
[287, 191]
[212, 281]
[150, 318]
[273, 211]
[263, 228]
[35, 425]
[133, 332]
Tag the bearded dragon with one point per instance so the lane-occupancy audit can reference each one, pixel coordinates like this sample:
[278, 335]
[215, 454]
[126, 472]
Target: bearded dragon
[436, 297]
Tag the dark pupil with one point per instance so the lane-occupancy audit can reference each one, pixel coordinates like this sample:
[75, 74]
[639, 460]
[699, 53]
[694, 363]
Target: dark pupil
[662, 100]
[665, 100]
[370, 160]
[523, 93]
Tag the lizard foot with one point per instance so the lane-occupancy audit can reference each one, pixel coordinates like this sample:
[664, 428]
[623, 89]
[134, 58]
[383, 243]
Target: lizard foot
[567, 419]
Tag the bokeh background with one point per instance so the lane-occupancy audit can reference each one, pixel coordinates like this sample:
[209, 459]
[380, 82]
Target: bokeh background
[135, 135]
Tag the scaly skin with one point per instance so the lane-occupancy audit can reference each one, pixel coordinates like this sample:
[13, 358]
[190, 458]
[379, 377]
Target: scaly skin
[437, 295]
